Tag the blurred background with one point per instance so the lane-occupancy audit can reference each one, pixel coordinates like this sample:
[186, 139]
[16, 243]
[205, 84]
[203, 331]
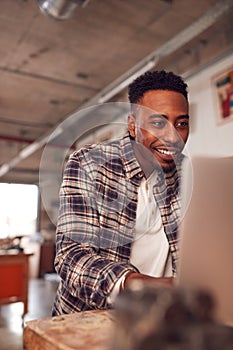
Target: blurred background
[60, 57]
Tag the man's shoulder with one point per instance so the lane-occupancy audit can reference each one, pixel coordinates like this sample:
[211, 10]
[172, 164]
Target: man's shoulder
[108, 156]
[97, 151]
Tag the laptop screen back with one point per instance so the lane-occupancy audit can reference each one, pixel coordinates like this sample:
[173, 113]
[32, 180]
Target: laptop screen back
[206, 232]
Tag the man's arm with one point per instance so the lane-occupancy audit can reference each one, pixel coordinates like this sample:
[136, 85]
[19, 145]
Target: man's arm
[132, 277]
[87, 274]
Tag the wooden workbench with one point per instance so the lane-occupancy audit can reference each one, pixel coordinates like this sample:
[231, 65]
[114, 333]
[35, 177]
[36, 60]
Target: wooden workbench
[88, 330]
[103, 330]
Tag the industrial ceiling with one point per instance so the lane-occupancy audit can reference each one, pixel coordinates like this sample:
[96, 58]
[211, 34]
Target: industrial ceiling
[51, 68]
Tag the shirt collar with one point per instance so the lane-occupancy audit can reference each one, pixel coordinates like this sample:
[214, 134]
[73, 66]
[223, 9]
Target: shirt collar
[133, 156]
[130, 162]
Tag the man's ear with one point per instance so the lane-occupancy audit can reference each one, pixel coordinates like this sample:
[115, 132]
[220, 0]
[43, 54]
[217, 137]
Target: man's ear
[131, 125]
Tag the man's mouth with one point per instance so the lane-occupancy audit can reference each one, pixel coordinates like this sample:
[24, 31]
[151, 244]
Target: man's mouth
[166, 152]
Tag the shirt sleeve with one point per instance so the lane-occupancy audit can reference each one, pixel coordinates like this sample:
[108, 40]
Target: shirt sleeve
[115, 291]
[87, 274]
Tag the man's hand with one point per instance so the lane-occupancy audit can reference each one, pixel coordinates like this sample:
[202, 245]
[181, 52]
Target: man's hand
[155, 281]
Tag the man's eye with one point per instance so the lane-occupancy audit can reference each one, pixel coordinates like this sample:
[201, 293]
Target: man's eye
[158, 123]
[184, 124]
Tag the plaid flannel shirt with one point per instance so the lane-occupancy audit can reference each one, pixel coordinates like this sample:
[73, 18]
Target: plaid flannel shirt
[97, 216]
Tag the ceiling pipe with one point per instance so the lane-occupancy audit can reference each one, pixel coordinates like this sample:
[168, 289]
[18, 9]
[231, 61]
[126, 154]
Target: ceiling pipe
[60, 9]
[15, 139]
[9, 138]
[170, 46]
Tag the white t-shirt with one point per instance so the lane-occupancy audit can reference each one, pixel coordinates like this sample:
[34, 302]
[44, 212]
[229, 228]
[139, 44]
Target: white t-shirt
[150, 248]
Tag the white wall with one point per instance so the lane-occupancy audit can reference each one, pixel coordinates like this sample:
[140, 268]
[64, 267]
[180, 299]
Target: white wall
[206, 136]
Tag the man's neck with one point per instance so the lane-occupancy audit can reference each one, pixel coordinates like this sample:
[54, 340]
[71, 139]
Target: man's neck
[145, 158]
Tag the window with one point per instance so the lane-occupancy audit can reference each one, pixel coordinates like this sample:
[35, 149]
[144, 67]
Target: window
[18, 208]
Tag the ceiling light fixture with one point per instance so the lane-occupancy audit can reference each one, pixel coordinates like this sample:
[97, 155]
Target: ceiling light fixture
[60, 9]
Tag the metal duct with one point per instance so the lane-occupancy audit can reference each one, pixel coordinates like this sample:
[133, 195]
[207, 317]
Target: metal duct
[59, 9]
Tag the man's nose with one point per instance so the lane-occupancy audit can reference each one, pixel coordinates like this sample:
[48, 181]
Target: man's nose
[170, 134]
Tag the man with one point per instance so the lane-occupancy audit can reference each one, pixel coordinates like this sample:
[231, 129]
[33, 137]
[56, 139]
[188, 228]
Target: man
[119, 201]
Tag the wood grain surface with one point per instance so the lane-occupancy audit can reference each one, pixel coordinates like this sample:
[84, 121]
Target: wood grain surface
[82, 331]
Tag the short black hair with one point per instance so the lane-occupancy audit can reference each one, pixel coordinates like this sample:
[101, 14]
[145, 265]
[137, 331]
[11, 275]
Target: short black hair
[156, 80]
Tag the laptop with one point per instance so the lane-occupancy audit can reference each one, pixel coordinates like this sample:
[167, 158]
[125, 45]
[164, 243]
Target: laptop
[206, 231]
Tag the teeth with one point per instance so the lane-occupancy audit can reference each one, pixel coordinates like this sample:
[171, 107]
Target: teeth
[166, 152]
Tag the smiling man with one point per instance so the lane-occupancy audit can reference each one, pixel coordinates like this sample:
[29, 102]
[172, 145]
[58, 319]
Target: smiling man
[120, 201]
[162, 125]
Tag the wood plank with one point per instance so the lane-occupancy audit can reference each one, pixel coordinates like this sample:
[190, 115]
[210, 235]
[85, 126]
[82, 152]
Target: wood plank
[82, 331]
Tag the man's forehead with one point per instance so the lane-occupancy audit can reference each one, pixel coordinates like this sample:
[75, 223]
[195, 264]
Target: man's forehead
[140, 109]
[162, 106]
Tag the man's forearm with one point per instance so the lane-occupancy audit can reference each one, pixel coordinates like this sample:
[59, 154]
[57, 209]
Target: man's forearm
[132, 277]
[87, 274]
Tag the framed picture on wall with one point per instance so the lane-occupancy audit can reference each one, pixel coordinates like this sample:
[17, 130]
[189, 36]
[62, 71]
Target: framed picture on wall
[223, 89]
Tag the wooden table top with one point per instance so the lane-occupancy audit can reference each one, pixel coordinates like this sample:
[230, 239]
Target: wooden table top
[88, 330]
